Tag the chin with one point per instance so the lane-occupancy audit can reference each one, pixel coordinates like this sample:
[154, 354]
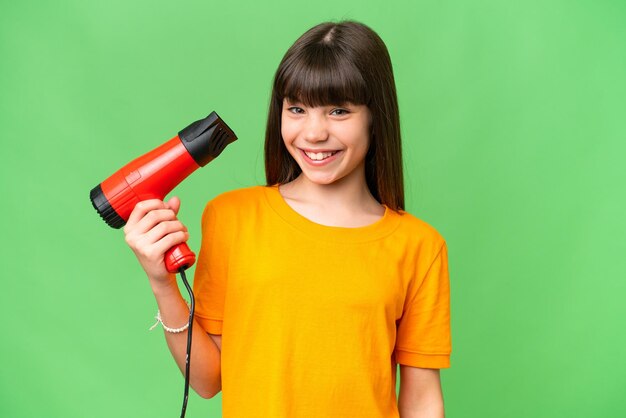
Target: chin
[321, 180]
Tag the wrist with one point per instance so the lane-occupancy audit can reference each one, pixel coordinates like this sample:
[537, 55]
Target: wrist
[164, 286]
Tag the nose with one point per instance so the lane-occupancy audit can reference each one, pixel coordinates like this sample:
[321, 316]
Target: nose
[315, 129]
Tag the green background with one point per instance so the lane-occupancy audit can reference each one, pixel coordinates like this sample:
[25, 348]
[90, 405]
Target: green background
[513, 118]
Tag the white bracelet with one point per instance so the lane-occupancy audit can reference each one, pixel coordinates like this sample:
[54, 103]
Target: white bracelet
[165, 327]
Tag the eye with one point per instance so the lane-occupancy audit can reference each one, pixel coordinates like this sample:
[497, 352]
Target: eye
[295, 109]
[340, 112]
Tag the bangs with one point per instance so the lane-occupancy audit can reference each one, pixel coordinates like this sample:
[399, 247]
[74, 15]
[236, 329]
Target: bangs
[321, 76]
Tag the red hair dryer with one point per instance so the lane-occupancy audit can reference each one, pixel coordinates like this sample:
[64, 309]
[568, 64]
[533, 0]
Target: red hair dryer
[155, 174]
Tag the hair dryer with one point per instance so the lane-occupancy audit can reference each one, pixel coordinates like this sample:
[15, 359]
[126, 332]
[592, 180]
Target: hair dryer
[155, 174]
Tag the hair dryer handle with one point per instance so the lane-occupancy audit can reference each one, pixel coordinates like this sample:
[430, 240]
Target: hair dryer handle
[179, 256]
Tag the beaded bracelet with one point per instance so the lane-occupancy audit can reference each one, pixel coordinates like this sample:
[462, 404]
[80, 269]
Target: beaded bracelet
[165, 327]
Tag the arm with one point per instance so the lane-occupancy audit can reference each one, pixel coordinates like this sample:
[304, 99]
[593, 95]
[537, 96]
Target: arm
[205, 369]
[420, 393]
[151, 230]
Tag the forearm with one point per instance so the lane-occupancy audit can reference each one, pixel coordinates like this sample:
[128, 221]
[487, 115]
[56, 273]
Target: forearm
[420, 393]
[205, 374]
[423, 408]
[150, 231]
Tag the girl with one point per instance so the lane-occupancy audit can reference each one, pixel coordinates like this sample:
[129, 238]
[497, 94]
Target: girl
[311, 289]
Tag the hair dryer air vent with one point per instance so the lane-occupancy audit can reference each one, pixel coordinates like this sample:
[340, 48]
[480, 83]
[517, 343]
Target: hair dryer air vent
[104, 209]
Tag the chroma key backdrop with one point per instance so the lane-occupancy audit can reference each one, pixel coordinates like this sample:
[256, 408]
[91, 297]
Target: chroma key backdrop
[514, 126]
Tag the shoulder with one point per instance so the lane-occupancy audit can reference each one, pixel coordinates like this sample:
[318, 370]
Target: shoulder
[238, 197]
[235, 203]
[413, 224]
[415, 230]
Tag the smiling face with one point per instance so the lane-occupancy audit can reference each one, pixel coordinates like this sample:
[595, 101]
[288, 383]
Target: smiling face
[329, 143]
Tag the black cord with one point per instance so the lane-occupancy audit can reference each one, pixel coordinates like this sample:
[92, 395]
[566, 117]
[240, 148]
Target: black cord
[192, 307]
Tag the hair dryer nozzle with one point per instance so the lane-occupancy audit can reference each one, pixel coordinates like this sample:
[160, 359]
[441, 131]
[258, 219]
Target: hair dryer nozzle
[206, 138]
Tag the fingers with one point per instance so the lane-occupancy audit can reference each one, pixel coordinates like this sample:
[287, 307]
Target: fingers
[153, 224]
[170, 240]
[152, 229]
[145, 207]
[141, 209]
[174, 204]
[164, 228]
[152, 219]
[151, 250]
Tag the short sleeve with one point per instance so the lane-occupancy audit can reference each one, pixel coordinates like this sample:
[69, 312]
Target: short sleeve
[209, 283]
[423, 337]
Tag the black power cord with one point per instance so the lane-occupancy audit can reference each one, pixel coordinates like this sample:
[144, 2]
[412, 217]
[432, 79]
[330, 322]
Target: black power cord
[192, 306]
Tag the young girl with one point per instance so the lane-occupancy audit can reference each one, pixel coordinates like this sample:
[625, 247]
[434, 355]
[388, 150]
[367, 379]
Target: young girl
[311, 289]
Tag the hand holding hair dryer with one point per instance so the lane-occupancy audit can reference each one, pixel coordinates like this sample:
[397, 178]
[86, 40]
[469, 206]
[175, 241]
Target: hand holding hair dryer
[155, 174]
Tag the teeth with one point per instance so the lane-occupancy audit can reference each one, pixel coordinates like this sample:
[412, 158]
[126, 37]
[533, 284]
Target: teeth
[319, 155]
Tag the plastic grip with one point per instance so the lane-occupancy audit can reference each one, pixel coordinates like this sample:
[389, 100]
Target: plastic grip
[179, 256]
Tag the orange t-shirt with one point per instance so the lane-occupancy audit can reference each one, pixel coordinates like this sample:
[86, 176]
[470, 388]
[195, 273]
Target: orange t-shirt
[313, 318]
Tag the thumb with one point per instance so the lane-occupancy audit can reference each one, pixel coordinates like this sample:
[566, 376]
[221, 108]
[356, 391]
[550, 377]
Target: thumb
[174, 204]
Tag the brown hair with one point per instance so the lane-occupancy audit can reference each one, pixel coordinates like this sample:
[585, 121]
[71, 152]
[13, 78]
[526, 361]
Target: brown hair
[336, 63]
